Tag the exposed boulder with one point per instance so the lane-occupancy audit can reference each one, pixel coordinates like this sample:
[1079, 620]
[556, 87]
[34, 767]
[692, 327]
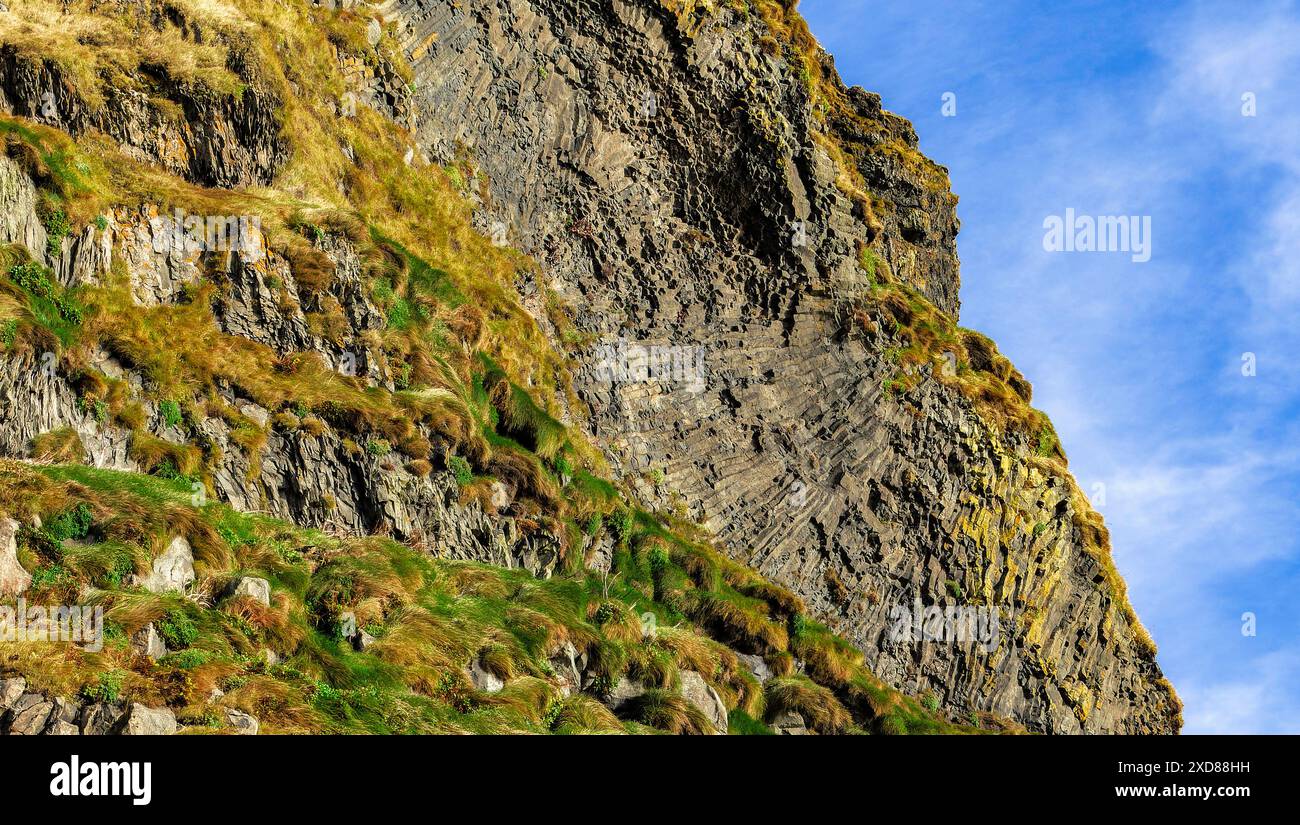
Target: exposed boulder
[11, 690]
[63, 718]
[484, 679]
[756, 665]
[567, 664]
[14, 579]
[146, 721]
[362, 640]
[789, 723]
[100, 718]
[252, 587]
[147, 642]
[624, 692]
[500, 496]
[173, 571]
[701, 694]
[354, 633]
[29, 715]
[60, 727]
[241, 723]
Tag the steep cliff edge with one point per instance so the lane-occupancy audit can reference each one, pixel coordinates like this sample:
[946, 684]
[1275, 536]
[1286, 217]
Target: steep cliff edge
[735, 196]
[690, 175]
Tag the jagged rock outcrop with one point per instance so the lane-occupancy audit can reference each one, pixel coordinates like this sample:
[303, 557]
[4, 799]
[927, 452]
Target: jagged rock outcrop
[313, 479]
[698, 692]
[25, 713]
[180, 125]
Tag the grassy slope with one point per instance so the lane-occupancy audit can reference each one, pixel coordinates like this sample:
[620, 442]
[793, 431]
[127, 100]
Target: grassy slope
[429, 616]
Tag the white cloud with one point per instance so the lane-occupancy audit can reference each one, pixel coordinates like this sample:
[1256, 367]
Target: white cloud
[1266, 703]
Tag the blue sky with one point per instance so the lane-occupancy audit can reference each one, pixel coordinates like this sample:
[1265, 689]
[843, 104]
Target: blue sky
[1136, 108]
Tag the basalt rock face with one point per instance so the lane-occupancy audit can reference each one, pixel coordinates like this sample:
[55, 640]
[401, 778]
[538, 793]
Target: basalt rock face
[678, 185]
[671, 176]
[313, 479]
[214, 141]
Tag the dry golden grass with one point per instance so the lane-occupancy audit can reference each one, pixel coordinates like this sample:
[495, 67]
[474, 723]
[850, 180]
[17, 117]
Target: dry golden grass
[817, 705]
[61, 446]
[584, 714]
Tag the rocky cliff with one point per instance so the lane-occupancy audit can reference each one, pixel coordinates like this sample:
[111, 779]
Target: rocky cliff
[739, 199]
[681, 177]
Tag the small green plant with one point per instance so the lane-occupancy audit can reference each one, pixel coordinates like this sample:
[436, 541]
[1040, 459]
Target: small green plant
[56, 224]
[593, 525]
[72, 524]
[101, 223]
[208, 718]
[178, 629]
[50, 576]
[1047, 442]
[167, 469]
[868, 261]
[96, 408]
[604, 613]
[402, 380]
[893, 726]
[894, 386]
[189, 659]
[107, 688]
[33, 277]
[122, 568]
[461, 469]
[955, 589]
[9, 333]
[552, 715]
[799, 625]
[930, 702]
[563, 468]
[37, 281]
[378, 447]
[171, 413]
[621, 525]
[740, 723]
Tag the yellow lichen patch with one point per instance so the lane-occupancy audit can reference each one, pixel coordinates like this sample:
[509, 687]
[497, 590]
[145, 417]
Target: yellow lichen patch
[1081, 698]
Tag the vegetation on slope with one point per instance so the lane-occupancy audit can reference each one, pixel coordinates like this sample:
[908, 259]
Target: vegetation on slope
[670, 605]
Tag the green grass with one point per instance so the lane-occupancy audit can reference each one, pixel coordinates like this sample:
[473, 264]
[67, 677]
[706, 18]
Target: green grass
[431, 616]
[740, 723]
